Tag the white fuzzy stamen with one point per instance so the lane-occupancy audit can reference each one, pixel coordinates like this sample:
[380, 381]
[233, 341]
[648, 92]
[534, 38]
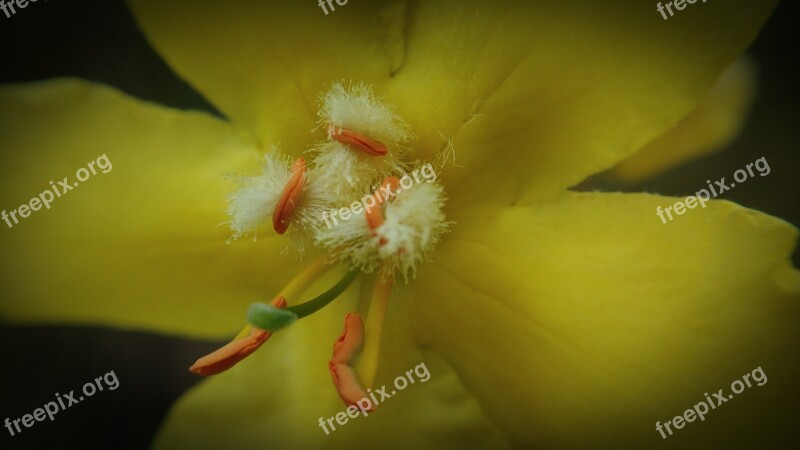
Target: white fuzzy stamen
[348, 170]
[254, 201]
[413, 225]
[357, 109]
[350, 173]
[414, 222]
[319, 195]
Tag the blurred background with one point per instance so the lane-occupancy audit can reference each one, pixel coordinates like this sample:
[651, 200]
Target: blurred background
[98, 40]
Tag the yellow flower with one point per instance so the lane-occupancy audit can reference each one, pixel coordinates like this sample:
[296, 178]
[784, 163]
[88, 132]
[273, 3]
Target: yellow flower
[548, 317]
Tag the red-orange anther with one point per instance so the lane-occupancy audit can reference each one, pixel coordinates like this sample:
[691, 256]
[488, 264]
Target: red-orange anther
[359, 141]
[344, 350]
[231, 353]
[290, 197]
[374, 215]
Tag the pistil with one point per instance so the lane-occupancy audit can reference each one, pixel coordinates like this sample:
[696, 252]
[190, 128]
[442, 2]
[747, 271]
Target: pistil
[271, 318]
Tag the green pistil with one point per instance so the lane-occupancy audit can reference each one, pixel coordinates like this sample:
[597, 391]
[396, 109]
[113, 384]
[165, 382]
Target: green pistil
[270, 318]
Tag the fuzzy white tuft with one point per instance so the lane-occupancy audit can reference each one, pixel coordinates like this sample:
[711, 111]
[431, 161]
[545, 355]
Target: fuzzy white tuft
[414, 223]
[349, 173]
[253, 202]
[319, 196]
[357, 109]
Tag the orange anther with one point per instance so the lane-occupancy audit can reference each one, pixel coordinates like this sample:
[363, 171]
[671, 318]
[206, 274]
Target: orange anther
[290, 197]
[344, 350]
[231, 353]
[393, 183]
[359, 141]
[374, 216]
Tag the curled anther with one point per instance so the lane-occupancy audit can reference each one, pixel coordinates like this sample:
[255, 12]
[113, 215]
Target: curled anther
[345, 350]
[231, 353]
[357, 140]
[290, 197]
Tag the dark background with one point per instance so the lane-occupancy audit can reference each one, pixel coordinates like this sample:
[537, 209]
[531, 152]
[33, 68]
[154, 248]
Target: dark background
[98, 40]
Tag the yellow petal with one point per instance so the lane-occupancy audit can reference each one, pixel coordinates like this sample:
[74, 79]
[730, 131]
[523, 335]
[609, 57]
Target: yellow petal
[582, 322]
[142, 245]
[538, 95]
[710, 127]
[276, 397]
[535, 96]
[263, 63]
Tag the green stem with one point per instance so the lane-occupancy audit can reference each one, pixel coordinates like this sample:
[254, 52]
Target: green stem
[270, 318]
[314, 305]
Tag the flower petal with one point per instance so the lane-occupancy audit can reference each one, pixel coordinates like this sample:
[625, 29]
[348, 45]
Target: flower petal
[530, 105]
[263, 63]
[537, 95]
[710, 127]
[582, 322]
[142, 245]
[277, 396]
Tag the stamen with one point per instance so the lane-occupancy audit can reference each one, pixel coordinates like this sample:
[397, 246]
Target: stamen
[231, 353]
[290, 197]
[344, 350]
[359, 141]
[367, 365]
